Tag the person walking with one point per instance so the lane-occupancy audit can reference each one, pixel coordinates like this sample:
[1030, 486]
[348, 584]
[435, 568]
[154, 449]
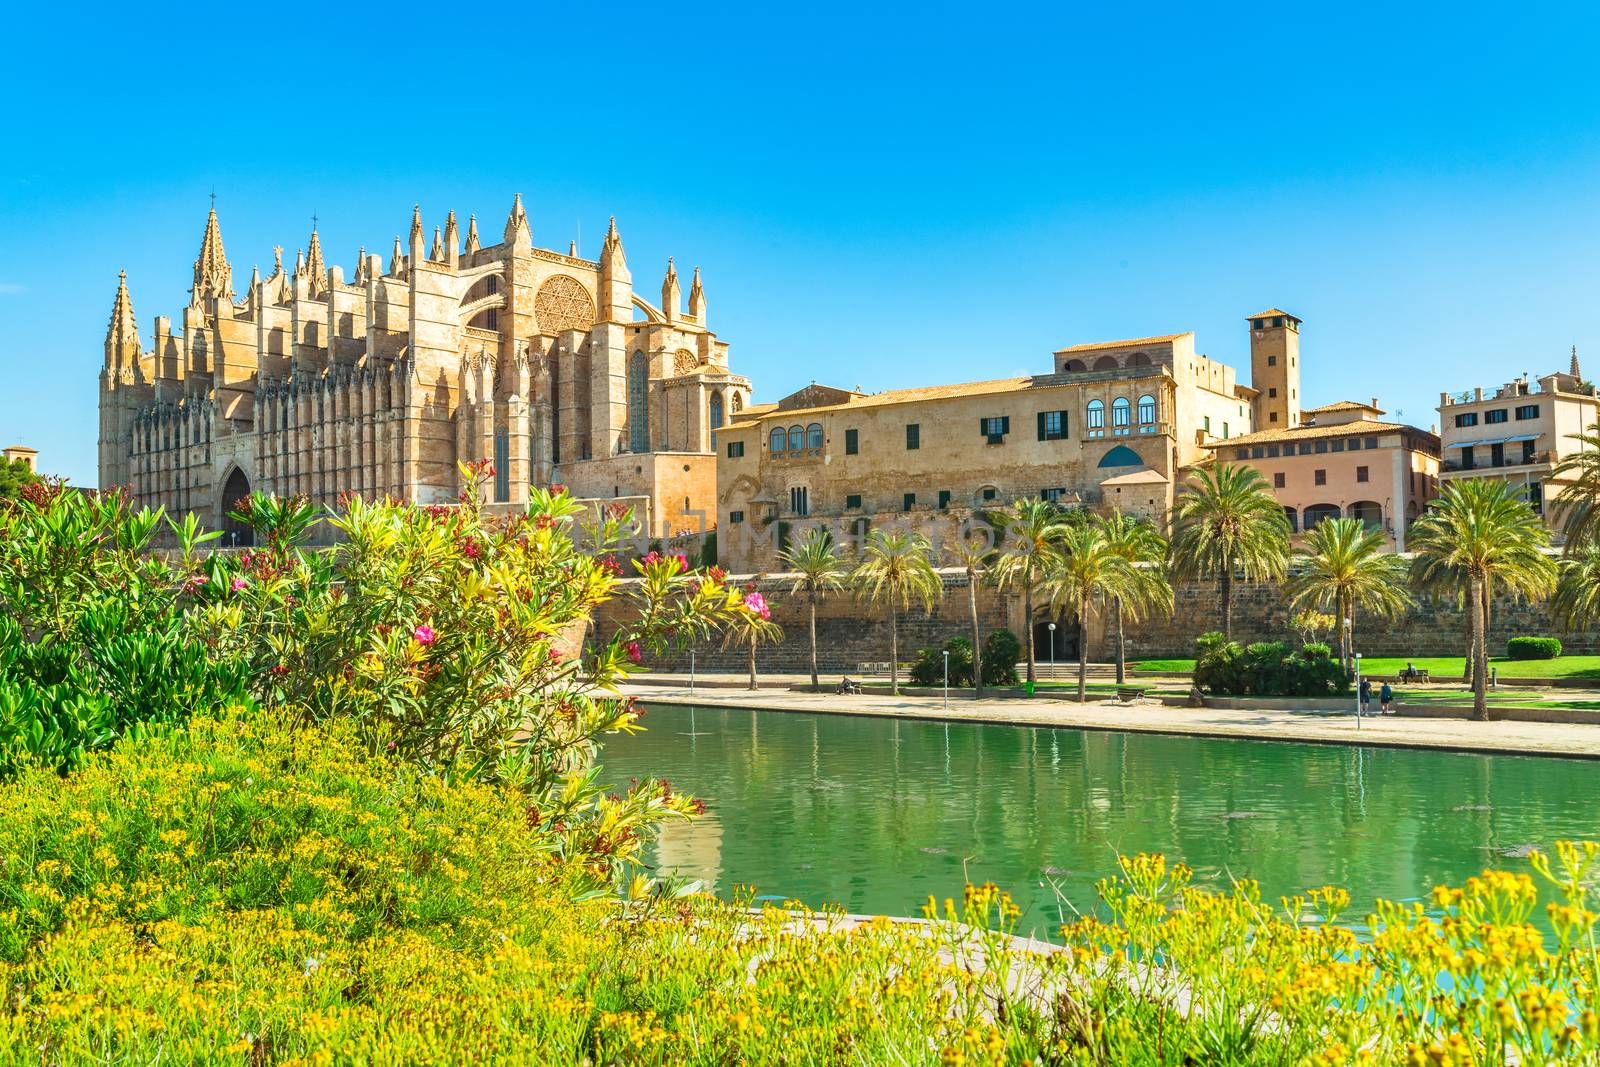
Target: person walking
[1365, 689]
[1386, 699]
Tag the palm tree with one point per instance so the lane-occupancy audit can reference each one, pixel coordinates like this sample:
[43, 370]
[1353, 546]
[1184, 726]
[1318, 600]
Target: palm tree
[895, 569]
[1032, 530]
[1576, 601]
[1226, 520]
[1579, 499]
[1141, 544]
[751, 626]
[817, 567]
[1480, 528]
[1346, 567]
[973, 552]
[1087, 571]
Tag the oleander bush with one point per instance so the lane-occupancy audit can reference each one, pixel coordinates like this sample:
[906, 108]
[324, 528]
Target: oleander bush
[1001, 650]
[928, 669]
[1533, 647]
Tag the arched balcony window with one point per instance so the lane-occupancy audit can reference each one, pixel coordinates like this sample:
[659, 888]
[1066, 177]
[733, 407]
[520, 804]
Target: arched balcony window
[1147, 414]
[814, 437]
[775, 445]
[639, 403]
[797, 439]
[1120, 412]
[1095, 420]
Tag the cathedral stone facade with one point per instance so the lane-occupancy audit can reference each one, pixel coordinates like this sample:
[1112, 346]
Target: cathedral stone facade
[546, 364]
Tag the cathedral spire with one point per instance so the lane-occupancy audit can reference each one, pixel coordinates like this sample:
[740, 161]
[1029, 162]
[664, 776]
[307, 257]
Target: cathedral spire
[318, 273]
[452, 240]
[123, 331]
[361, 265]
[697, 299]
[517, 233]
[472, 234]
[611, 254]
[1575, 371]
[671, 293]
[213, 278]
[299, 263]
[414, 245]
[572, 249]
[438, 246]
[397, 261]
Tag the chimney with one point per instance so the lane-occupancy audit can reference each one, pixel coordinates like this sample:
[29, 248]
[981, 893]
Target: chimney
[1374, 401]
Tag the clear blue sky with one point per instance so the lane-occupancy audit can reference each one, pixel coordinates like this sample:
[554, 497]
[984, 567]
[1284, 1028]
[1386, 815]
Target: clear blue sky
[876, 196]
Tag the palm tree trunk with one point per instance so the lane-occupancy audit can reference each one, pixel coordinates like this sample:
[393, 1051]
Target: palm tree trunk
[1122, 656]
[814, 682]
[977, 638]
[894, 650]
[1083, 648]
[1027, 626]
[1480, 648]
[752, 661]
[1227, 600]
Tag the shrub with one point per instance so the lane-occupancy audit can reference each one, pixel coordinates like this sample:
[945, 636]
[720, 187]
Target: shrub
[928, 669]
[1316, 650]
[95, 633]
[1267, 668]
[1001, 650]
[1533, 647]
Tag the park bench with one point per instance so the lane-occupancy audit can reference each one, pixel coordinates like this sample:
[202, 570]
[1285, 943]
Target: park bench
[1129, 693]
[872, 668]
[1402, 679]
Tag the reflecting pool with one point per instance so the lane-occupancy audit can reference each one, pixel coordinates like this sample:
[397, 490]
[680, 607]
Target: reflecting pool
[875, 814]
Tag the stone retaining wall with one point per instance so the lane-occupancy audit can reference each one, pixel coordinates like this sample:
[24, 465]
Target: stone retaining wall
[850, 633]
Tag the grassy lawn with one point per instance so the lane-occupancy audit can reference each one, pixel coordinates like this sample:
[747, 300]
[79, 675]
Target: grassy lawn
[1440, 666]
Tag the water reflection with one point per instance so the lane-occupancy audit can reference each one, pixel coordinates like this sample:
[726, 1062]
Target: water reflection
[876, 814]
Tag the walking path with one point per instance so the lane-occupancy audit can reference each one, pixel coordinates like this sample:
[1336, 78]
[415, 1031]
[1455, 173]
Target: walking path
[1525, 738]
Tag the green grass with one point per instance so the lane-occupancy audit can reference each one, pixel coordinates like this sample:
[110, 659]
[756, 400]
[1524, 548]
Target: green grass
[1440, 666]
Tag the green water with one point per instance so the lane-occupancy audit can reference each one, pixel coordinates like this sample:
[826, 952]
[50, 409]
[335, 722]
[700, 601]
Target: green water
[875, 814]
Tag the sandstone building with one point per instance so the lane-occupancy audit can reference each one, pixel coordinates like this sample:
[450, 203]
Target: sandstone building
[1519, 433]
[1111, 424]
[548, 364]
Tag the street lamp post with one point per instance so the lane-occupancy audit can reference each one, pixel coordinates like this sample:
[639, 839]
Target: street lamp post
[1358, 690]
[691, 670]
[1052, 652]
[947, 679]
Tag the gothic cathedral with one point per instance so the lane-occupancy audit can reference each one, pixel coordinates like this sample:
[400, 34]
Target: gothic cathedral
[546, 364]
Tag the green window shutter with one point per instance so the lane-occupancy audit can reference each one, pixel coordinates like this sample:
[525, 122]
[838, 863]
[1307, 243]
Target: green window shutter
[1041, 426]
[1005, 424]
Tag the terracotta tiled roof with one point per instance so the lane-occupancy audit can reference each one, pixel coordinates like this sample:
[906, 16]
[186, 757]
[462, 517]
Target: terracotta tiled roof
[1272, 313]
[903, 396]
[1311, 433]
[1340, 405]
[1124, 344]
[751, 413]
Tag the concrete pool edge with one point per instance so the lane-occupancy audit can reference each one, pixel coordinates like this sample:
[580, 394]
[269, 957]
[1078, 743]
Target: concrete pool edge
[1501, 737]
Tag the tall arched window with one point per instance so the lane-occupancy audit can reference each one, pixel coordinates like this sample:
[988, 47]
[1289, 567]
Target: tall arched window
[814, 437]
[639, 403]
[1120, 411]
[797, 439]
[778, 438]
[1096, 420]
[716, 411]
[1147, 413]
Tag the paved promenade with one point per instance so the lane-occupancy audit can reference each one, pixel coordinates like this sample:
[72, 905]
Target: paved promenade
[1525, 738]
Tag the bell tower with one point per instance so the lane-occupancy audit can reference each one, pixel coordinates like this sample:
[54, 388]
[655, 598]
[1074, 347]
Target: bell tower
[1275, 369]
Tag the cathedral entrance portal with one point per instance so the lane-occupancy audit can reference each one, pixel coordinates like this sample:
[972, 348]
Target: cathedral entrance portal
[234, 490]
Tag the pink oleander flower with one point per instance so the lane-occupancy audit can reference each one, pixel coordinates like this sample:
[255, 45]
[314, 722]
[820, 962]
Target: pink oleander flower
[239, 585]
[424, 635]
[634, 655]
[757, 603]
[651, 557]
[197, 581]
[682, 561]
